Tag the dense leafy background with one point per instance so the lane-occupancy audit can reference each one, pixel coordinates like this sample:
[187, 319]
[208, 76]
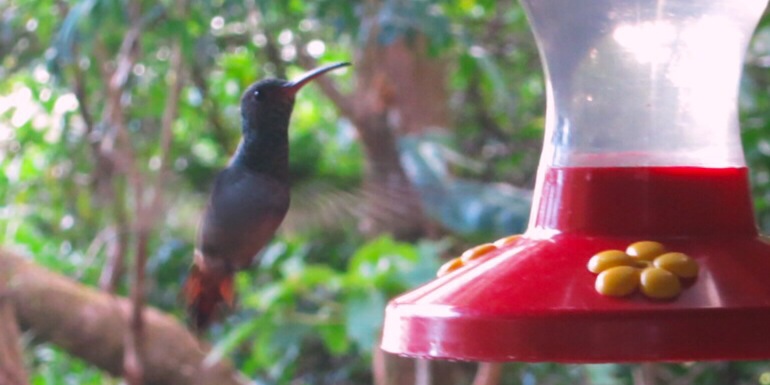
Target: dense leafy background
[311, 311]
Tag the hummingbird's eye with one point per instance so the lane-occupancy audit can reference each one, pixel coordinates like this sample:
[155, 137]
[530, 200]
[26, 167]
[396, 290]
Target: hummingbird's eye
[258, 95]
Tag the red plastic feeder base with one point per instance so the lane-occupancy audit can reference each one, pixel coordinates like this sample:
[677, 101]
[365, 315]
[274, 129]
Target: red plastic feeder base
[535, 300]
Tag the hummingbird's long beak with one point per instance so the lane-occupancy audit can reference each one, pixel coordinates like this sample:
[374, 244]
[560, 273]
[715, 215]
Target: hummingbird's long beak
[293, 86]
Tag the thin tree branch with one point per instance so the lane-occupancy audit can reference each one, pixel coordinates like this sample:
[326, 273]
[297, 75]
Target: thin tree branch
[212, 110]
[134, 355]
[125, 160]
[116, 250]
[170, 114]
[148, 215]
[254, 20]
[104, 141]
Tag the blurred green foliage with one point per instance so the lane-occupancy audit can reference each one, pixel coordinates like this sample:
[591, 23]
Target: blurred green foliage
[311, 312]
[291, 303]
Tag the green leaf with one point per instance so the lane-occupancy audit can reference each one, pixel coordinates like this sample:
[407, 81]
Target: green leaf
[602, 374]
[364, 313]
[335, 338]
[371, 259]
[231, 340]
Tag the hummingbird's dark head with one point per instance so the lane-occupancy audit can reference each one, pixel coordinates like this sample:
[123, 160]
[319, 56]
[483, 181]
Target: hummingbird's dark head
[267, 104]
[265, 101]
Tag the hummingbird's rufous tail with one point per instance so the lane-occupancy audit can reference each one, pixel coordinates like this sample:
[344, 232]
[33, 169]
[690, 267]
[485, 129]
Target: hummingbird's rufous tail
[206, 294]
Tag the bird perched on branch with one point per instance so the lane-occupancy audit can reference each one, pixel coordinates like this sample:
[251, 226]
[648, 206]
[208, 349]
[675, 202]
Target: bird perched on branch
[249, 199]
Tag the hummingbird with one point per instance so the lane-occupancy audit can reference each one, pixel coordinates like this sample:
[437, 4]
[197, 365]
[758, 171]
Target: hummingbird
[249, 199]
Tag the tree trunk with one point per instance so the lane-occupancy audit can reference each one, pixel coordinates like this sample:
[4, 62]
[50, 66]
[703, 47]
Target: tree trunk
[91, 324]
[400, 90]
[12, 370]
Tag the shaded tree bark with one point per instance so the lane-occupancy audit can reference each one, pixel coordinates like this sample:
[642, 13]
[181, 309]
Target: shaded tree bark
[646, 374]
[489, 373]
[390, 369]
[92, 325]
[12, 370]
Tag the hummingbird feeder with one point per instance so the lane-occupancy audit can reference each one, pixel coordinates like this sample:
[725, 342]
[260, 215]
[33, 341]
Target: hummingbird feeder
[642, 243]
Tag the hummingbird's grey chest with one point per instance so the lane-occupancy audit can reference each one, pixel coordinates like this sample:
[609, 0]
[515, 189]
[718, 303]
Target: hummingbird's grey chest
[243, 213]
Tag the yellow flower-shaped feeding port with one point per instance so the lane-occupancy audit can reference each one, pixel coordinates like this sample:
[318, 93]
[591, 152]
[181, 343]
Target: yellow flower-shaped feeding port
[474, 253]
[646, 265]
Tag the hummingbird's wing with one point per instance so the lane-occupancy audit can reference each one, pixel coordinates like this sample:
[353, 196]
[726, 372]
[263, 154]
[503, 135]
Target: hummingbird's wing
[242, 215]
